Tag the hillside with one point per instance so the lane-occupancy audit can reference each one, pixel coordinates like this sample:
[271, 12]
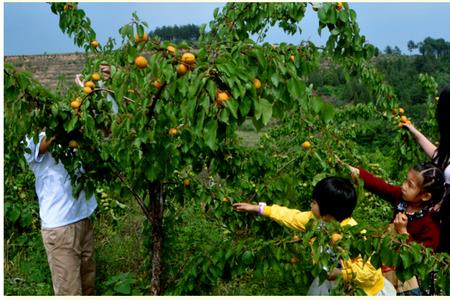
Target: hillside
[49, 68]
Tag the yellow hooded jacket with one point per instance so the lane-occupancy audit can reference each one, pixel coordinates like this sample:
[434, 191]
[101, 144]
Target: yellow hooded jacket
[365, 275]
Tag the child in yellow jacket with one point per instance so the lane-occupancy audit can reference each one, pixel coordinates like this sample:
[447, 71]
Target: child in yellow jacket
[333, 198]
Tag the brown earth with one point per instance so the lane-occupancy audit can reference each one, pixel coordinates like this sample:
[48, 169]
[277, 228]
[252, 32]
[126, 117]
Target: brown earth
[48, 69]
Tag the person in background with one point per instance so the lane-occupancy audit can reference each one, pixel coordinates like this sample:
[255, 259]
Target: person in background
[440, 155]
[66, 227]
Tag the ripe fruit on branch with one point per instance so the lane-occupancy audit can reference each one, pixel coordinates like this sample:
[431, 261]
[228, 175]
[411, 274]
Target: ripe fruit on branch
[292, 58]
[90, 84]
[157, 84]
[141, 62]
[95, 76]
[401, 110]
[296, 238]
[188, 58]
[225, 199]
[257, 83]
[87, 90]
[181, 69]
[294, 260]
[173, 131]
[94, 43]
[73, 144]
[186, 182]
[222, 96]
[171, 49]
[141, 39]
[306, 145]
[75, 103]
[403, 119]
[339, 5]
[336, 237]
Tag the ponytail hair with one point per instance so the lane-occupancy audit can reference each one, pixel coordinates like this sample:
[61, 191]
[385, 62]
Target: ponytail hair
[433, 181]
[442, 154]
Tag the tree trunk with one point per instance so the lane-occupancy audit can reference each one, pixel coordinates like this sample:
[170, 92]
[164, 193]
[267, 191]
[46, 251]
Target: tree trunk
[157, 208]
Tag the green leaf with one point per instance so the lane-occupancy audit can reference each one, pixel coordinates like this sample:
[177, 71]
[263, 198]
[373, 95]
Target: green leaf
[263, 110]
[210, 134]
[327, 112]
[123, 288]
[322, 163]
[244, 106]
[13, 213]
[232, 106]
[332, 14]
[89, 123]
[247, 258]
[275, 79]
[322, 14]
[260, 57]
[151, 173]
[317, 104]
[267, 111]
[70, 125]
[296, 87]
[224, 116]
[211, 88]
[406, 259]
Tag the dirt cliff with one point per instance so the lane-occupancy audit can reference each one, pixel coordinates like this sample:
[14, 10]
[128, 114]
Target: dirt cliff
[50, 68]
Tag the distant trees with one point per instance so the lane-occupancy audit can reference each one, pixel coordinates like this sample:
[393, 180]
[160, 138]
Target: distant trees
[177, 33]
[392, 51]
[400, 71]
[437, 48]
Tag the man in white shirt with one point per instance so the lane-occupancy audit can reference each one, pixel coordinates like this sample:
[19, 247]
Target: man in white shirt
[66, 228]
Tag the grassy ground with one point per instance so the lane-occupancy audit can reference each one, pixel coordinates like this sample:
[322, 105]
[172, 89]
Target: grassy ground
[247, 134]
[118, 246]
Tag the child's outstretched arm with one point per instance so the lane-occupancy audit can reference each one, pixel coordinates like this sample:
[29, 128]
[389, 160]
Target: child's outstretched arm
[378, 186]
[291, 218]
[245, 207]
[423, 141]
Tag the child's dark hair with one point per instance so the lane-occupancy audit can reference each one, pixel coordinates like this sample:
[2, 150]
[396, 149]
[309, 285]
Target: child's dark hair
[433, 181]
[336, 197]
[442, 156]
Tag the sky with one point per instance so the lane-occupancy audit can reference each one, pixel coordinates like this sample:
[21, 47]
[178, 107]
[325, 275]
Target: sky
[31, 28]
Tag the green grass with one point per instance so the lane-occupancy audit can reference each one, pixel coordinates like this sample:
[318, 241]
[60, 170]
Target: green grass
[118, 249]
[248, 135]
[26, 270]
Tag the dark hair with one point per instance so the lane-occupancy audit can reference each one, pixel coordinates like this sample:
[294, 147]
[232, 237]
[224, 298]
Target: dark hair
[443, 120]
[336, 197]
[433, 180]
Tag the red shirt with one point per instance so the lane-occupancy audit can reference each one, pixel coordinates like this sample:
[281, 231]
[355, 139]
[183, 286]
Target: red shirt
[423, 230]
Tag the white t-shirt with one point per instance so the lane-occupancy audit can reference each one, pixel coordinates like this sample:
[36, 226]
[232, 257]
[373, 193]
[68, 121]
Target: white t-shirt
[57, 206]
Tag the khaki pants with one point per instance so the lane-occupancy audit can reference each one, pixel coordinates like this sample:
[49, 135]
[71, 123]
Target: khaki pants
[409, 287]
[70, 252]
